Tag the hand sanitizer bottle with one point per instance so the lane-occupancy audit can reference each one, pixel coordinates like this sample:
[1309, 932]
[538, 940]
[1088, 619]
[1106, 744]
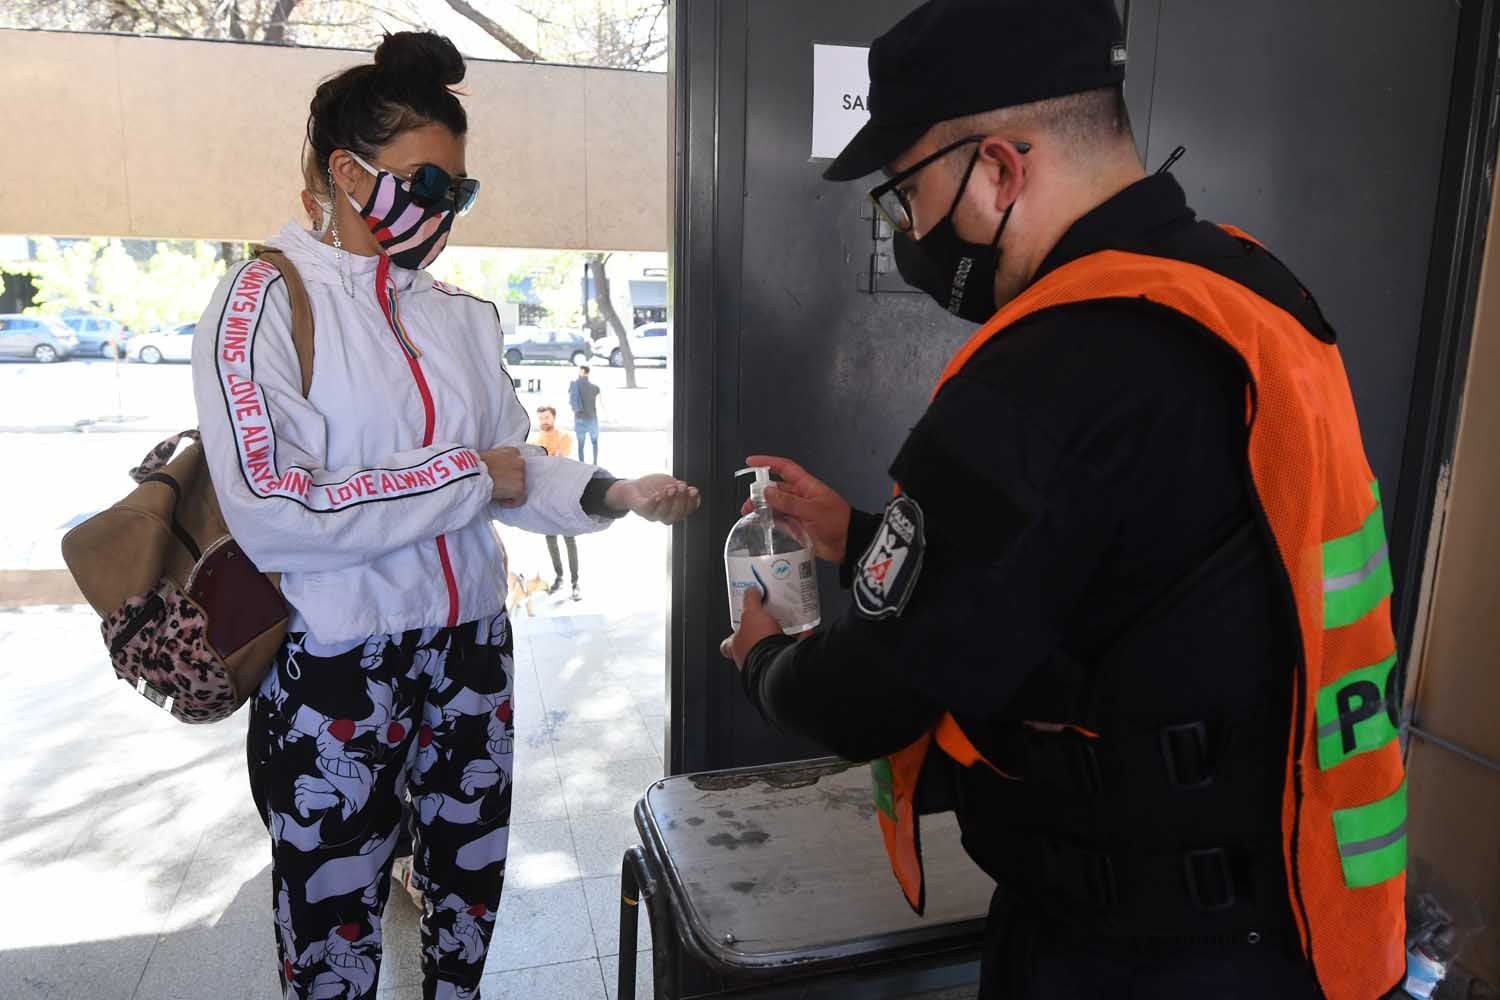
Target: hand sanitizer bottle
[772, 553]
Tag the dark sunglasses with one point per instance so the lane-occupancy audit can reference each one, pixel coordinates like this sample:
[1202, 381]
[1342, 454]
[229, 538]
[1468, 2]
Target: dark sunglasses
[892, 203]
[432, 184]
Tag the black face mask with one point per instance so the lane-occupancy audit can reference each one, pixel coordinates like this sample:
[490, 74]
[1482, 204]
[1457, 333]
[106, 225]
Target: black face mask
[959, 275]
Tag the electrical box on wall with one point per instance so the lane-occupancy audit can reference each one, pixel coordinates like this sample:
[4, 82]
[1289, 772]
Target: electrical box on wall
[881, 274]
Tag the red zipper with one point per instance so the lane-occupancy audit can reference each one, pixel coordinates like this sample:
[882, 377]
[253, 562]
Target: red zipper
[448, 578]
[385, 294]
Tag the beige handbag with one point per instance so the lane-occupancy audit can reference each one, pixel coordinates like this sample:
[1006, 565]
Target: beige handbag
[188, 620]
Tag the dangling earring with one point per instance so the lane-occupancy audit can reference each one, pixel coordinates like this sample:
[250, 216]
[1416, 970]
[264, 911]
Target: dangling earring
[346, 273]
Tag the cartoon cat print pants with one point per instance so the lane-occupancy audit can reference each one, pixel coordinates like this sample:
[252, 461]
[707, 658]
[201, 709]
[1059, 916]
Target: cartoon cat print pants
[339, 736]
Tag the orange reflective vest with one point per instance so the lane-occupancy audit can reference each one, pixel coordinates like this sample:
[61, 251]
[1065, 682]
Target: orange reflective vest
[1344, 801]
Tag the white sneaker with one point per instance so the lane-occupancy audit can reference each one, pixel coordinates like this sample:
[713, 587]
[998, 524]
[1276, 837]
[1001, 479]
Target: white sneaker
[401, 874]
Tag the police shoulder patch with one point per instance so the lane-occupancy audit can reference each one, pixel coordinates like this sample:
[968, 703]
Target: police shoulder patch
[887, 573]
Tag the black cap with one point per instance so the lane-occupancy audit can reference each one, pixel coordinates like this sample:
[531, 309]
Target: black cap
[952, 58]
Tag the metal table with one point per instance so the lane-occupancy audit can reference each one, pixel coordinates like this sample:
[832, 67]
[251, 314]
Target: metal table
[772, 872]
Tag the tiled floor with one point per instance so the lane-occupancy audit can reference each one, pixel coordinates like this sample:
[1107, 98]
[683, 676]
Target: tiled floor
[135, 867]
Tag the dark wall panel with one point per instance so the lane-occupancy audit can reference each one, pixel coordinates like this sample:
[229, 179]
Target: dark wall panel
[1318, 126]
[781, 350]
[847, 372]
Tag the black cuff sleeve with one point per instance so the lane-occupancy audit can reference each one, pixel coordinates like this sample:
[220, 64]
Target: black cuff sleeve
[839, 693]
[757, 663]
[592, 500]
[862, 528]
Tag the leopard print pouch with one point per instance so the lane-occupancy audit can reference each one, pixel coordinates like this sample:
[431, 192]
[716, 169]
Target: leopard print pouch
[158, 644]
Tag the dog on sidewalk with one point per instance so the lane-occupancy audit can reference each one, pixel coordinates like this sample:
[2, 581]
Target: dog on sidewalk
[524, 591]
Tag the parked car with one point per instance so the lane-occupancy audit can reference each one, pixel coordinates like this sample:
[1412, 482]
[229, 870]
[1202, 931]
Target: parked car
[99, 335]
[529, 344]
[648, 342]
[39, 337]
[165, 343]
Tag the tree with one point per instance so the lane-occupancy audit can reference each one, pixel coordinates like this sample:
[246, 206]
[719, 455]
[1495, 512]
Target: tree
[626, 34]
[598, 270]
[623, 34]
[356, 23]
[102, 277]
[241, 20]
[493, 28]
[473, 270]
[551, 277]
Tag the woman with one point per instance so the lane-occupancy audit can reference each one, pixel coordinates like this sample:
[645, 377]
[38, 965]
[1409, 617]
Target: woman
[373, 497]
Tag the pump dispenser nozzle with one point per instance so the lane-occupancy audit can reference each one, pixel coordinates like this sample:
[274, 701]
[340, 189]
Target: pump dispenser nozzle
[762, 480]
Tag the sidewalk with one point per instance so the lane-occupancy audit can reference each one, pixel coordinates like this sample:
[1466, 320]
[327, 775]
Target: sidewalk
[646, 408]
[84, 473]
[135, 864]
[137, 869]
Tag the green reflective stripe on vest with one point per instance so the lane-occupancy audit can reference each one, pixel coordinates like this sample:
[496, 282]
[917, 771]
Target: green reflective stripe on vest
[1348, 605]
[880, 772]
[1372, 840]
[1354, 713]
[1357, 571]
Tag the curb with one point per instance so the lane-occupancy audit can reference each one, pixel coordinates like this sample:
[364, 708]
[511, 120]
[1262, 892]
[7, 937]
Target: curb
[22, 588]
[92, 425]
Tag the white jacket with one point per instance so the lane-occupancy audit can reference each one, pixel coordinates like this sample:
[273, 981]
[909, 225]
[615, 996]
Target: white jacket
[368, 496]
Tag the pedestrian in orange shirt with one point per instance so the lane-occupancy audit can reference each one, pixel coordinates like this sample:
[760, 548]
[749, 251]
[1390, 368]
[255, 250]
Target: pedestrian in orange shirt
[558, 442]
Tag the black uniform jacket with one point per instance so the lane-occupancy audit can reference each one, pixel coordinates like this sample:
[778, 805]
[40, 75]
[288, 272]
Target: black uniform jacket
[1084, 462]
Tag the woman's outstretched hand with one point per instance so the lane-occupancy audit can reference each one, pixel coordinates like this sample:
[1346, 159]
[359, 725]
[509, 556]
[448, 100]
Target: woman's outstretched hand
[657, 497]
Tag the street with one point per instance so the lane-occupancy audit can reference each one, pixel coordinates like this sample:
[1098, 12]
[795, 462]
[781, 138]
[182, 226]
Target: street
[94, 393]
[71, 432]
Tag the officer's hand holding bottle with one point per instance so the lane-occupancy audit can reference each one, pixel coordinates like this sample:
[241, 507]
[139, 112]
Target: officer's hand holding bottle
[825, 516]
[822, 511]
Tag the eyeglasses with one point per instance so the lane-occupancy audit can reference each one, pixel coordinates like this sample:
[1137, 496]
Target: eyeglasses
[431, 185]
[892, 202]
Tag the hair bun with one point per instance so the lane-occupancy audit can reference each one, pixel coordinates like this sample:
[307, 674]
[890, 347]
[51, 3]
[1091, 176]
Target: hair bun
[416, 58]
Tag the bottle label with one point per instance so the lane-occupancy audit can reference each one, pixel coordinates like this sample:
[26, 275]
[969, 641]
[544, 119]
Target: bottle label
[1423, 975]
[788, 584]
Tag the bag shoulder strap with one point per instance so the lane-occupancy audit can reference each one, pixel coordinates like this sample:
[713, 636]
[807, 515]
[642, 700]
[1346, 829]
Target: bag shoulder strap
[302, 317]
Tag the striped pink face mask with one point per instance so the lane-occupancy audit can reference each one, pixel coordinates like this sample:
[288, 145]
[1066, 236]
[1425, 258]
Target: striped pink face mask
[411, 231]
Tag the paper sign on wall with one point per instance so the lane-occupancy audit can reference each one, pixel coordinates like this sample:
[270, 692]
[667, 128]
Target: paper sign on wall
[841, 87]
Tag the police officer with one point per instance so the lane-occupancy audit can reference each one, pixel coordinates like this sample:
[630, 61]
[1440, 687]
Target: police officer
[1130, 604]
